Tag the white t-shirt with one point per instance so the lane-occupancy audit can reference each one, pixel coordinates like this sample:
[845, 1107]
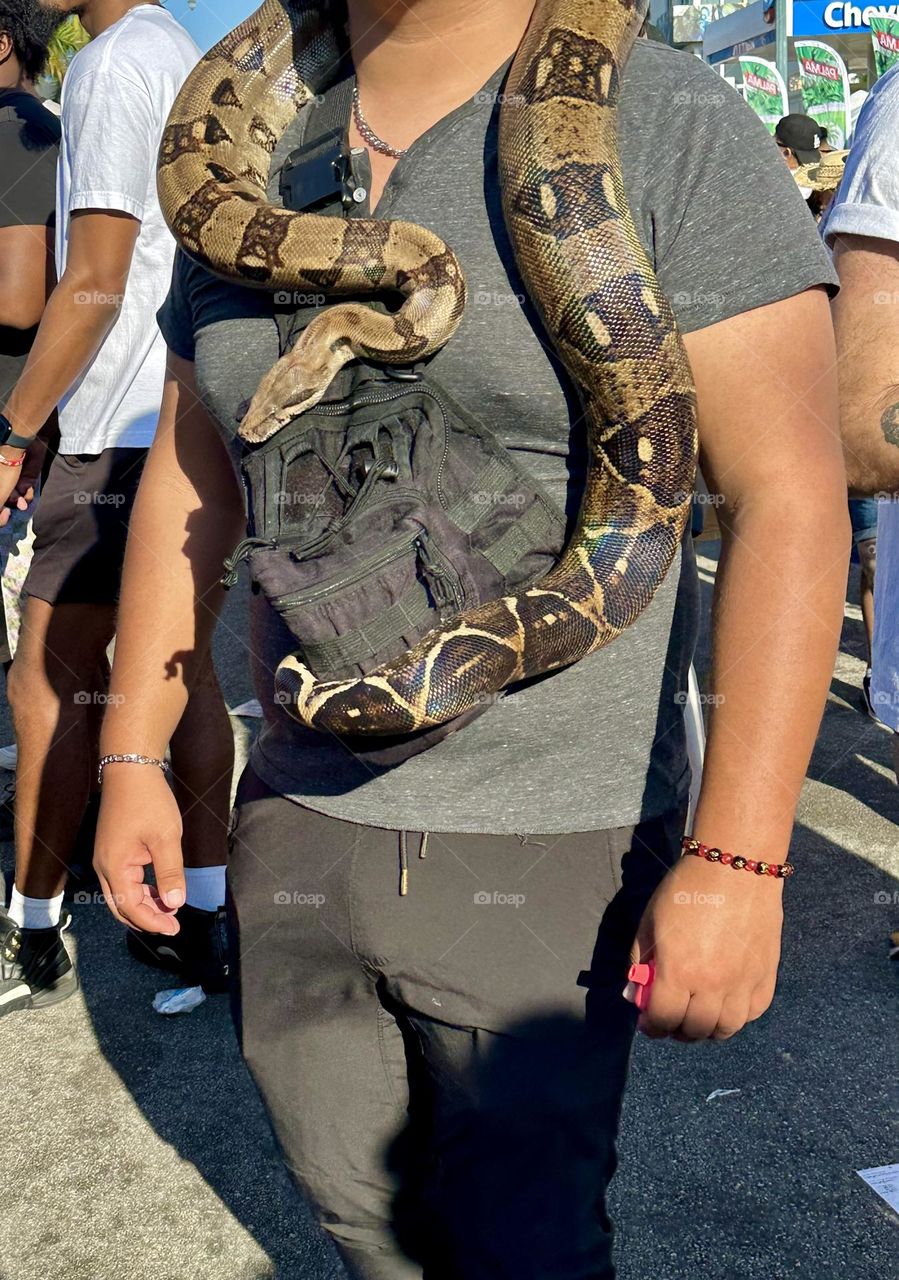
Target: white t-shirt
[116, 100]
[867, 204]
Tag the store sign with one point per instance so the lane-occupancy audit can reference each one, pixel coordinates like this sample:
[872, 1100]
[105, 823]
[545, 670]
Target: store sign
[736, 33]
[836, 17]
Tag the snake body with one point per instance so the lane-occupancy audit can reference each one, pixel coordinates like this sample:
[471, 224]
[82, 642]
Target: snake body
[583, 265]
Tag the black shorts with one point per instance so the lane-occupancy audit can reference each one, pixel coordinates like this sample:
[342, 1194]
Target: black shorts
[81, 526]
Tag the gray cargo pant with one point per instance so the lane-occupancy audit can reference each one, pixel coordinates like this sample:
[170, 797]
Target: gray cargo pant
[443, 1070]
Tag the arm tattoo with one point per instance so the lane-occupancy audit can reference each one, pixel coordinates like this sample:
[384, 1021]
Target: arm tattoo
[889, 424]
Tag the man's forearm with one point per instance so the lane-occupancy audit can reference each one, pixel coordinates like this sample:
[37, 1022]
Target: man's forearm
[74, 326]
[874, 470]
[866, 331]
[776, 626]
[166, 620]
[182, 527]
[869, 422]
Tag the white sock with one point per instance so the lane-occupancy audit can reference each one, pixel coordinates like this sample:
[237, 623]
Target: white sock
[35, 913]
[205, 887]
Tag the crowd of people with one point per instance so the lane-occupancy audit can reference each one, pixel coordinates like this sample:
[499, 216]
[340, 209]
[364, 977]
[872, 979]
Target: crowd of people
[125, 369]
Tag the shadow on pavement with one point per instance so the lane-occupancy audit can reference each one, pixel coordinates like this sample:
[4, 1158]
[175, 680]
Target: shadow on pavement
[186, 1076]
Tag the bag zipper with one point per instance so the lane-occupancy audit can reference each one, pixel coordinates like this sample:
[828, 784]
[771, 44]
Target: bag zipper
[338, 584]
[345, 406]
[312, 547]
[439, 574]
[444, 581]
[243, 548]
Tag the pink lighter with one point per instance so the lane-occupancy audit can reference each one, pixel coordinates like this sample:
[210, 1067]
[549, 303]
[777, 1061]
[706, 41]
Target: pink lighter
[642, 976]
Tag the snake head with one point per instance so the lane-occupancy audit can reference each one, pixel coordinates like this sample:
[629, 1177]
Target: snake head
[296, 383]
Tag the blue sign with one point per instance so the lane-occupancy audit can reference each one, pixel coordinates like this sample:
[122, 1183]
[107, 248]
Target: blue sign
[743, 46]
[836, 17]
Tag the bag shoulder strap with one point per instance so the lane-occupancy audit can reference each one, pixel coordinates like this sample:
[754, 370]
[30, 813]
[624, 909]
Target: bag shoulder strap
[331, 110]
[326, 120]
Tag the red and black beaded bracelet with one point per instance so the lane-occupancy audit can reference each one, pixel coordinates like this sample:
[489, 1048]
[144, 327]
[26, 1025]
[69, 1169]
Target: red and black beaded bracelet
[779, 870]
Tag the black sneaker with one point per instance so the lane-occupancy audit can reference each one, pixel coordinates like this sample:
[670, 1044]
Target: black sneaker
[198, 954]
[35, 968]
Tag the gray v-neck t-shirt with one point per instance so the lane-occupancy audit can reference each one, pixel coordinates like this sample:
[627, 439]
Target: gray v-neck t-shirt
[600, 744]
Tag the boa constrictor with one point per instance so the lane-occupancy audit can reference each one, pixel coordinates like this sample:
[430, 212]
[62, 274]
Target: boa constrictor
[583, 265]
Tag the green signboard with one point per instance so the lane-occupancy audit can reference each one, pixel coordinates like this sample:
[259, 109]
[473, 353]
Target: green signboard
[885, 34]
[825, 89]
[764, 90]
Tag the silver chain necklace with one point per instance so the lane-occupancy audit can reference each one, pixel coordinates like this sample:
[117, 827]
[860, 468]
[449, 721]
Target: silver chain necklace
[368, 133]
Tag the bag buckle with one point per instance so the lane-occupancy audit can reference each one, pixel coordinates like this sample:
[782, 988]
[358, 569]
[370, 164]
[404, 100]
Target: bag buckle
[317, 172]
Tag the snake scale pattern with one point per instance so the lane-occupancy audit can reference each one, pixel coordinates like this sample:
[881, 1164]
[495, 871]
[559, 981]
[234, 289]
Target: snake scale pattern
[583, 265]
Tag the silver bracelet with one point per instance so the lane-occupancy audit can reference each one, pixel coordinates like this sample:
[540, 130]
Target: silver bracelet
[129, 759]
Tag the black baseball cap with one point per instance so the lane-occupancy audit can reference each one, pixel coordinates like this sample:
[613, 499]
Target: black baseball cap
[802, 135]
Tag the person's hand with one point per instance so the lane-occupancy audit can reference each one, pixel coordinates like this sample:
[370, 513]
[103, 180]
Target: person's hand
[10, 478]
[28, 475]
[140, 826]
[713, 935]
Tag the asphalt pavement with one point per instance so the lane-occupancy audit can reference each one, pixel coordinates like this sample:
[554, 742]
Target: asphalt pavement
[136, 1147]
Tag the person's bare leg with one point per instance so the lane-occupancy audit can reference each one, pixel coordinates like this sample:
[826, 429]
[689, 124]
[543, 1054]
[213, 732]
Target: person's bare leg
[202, 758]
[55, 690]
[867, 556]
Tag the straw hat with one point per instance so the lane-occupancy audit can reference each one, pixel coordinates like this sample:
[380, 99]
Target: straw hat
[824, 174]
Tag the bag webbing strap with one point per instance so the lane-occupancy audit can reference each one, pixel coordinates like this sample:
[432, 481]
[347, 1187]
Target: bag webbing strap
[412, 610]
[521, 537]
[468, 509]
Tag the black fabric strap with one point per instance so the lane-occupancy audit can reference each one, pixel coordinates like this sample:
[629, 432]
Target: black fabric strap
[329, 112]
[332, 110]
[526, 533]
[407, 615]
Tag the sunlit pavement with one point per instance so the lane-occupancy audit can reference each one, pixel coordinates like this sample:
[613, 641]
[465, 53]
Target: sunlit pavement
[136, 1146]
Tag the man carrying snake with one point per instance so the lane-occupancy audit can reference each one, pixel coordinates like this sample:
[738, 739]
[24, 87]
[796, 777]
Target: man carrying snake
[444, 1065]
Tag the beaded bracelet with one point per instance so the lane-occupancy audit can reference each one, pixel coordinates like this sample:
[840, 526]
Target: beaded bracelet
[12, 462]
[780, 870]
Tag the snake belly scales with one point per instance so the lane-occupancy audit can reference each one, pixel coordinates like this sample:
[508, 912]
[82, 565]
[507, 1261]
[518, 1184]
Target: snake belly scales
[583, 265]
